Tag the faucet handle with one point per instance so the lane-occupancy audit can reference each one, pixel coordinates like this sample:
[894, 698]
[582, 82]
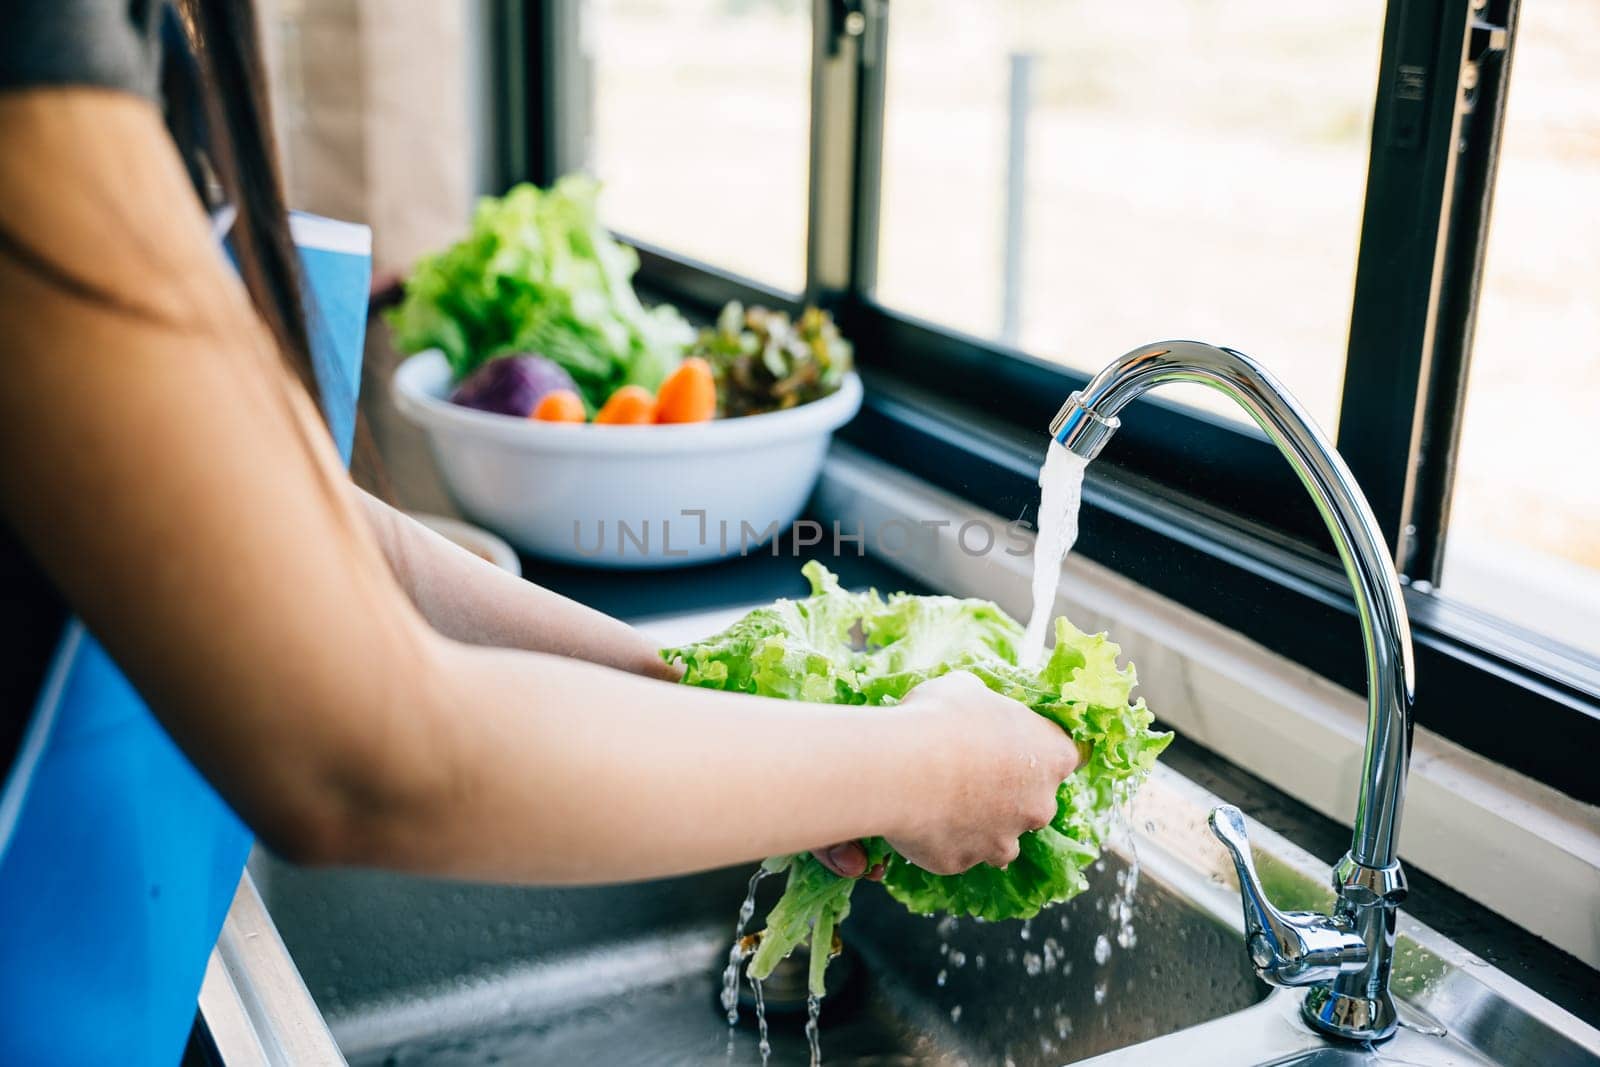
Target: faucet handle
[1293, 948]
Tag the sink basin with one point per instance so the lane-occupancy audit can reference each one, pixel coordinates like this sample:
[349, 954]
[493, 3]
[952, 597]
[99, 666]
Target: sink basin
[1138, 970]
[1146, 967]
[409, 971]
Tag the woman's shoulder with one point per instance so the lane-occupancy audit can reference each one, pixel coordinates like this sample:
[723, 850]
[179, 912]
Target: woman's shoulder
[115, 44]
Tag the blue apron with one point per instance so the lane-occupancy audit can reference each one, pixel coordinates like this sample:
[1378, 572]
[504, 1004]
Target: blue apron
[117, 860]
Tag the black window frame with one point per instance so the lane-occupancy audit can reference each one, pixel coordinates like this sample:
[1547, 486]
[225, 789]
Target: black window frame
[1200, 509]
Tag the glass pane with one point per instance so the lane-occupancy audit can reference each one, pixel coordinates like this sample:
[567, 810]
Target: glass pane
[700, 128]
[1191, 169]
[1525, 521]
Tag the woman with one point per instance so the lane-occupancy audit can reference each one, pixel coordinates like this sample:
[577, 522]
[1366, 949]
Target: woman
[356, 689]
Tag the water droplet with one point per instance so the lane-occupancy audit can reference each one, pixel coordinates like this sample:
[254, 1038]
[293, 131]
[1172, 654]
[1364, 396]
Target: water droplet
[1102, 950]
[1032, 963]
[1423, 1029]
[1100, 992]
[955, 1014]
[944, 976]
[958, 958]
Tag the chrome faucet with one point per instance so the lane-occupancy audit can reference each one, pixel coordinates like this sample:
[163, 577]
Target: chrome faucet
[1343, 958]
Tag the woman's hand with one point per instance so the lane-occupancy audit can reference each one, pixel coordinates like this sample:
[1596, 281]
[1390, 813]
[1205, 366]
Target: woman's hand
[848, 859]
[987, 773]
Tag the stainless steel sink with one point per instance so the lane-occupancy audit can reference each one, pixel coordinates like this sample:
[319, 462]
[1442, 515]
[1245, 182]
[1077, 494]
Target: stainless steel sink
[412, 971]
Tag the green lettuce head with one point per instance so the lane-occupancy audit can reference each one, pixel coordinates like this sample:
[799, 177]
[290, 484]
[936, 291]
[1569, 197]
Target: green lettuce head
[539, 273]
[838, 647]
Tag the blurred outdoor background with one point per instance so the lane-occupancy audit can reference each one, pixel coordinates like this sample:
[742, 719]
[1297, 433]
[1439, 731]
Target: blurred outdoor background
[1177, 168]
[1193, 168]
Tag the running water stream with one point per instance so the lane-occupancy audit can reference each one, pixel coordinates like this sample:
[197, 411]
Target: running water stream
[739, 949]
[765, 1044]
[1060, 497]
[814, 1028]
[1060, 494]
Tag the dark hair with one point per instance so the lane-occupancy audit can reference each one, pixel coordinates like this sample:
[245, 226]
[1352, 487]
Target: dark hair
[220, 114]
[225, 86]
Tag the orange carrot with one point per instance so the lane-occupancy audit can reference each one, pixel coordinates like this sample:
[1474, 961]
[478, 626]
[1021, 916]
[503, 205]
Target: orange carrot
[560, 405]
[632, 405]
[689, 394]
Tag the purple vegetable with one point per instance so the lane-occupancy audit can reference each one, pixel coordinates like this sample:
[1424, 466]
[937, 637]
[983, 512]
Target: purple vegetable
[511, 385]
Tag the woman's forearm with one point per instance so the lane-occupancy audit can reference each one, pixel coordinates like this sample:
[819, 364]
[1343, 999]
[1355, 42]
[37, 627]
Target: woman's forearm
[550, 770]
[472, 601]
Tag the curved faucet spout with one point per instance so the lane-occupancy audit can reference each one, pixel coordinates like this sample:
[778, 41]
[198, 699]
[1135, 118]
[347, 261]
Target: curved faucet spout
[1089, 418]
[1369, 880]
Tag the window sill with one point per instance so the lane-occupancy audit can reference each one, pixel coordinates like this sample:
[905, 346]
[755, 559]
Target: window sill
[1467, 819]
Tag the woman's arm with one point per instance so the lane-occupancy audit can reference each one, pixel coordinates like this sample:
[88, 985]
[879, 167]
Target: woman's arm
[473, 601]
[177, 486]
[604, 777]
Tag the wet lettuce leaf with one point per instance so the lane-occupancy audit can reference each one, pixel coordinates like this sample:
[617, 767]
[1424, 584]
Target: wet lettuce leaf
[840, 647]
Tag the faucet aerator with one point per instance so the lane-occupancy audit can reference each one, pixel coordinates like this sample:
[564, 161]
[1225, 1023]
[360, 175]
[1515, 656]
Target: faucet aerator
[1081, 429]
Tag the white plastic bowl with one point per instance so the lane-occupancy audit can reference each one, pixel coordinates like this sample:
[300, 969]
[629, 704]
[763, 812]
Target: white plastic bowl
[624, 496]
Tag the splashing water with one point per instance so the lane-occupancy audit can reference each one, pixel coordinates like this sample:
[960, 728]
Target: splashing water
[739, 950]
[1060, 494]
[1127, 880]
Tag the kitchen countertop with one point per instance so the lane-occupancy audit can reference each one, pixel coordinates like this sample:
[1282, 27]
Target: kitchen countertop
[764, 575]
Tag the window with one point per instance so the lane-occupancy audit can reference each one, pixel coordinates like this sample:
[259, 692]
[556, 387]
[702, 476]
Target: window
[1524, 539]
[699, 128]
[1077, 179]
[1003, 197]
